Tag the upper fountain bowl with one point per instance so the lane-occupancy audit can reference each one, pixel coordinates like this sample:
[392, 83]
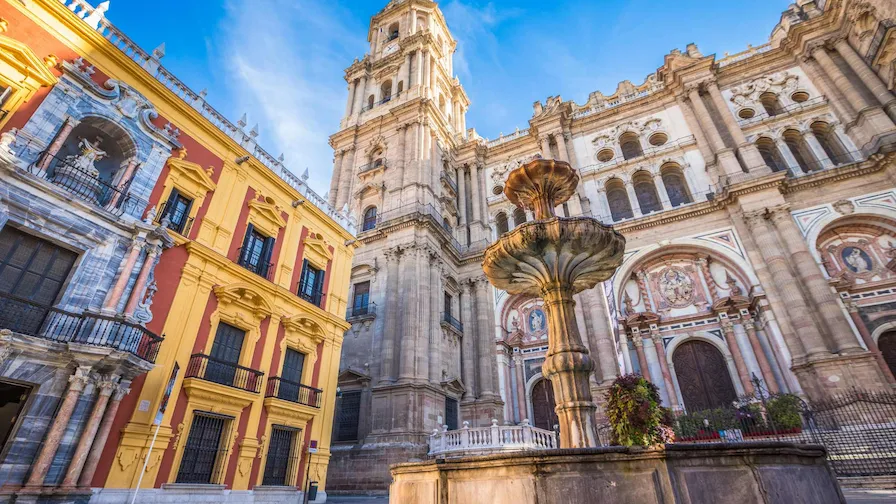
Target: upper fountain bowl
[541, 185]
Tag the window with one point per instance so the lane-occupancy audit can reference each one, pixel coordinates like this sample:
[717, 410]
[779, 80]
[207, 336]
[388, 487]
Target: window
[386, 91]
[400, 88]
[676, 186]
[658, 139]
[361, 299]
[393, 32]
[282, 463]
[631, 146]
[645, 191]
[177, 211]
[255, 254]
[606, 155]
[770, 103]
[447, 304]
[347, 418]
[12, 400]
[829, 142]
[291, 375]
[451, 413]
[311, 284]
[799, 149]
[369, 218]
[4, 97]
[225, 355]
[519, 217]
[501, 223]
[203, 458]
[32, 273]
[746, 113]
[770, 154]
[617, 198]
[370, 100]
[800, 97]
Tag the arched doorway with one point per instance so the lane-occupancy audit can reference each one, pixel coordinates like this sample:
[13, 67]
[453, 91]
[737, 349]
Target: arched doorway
[702, 376]
[544, 416]
[887, 345]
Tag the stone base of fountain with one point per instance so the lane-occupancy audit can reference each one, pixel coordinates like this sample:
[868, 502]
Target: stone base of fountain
[767, 473]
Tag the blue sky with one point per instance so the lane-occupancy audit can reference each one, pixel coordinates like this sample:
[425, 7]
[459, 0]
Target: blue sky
[282, 61]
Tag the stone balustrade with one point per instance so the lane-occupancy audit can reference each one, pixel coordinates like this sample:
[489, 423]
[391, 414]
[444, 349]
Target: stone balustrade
[493, 439]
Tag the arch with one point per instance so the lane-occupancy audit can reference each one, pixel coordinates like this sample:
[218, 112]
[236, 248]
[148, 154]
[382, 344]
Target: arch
[370, 100]
[392, 31]
[799, 149]
[630, 144]
[519, 217]
[443, 107]
[369, 219]
[886, 343]
[386, 90]
[117, 144]
[770, 154]
[703, 376]
[676, 185]
[617, 199]
[645, 191]
[399, 88]
[770, 103]
[829, 142]
[861, 216]
[501, 223]
[541, 396]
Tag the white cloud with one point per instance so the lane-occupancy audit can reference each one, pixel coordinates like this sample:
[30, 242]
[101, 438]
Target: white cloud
[284, 61]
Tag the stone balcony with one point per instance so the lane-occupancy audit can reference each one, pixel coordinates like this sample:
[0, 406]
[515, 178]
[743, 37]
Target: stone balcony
[486, 440]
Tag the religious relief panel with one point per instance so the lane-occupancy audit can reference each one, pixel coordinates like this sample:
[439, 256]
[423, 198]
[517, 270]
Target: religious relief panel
[858, 254]
[677, 286]
[526, 323]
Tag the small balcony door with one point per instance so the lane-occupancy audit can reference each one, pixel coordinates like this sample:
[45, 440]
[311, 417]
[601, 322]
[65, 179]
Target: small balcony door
[225, 354]
[291, 377]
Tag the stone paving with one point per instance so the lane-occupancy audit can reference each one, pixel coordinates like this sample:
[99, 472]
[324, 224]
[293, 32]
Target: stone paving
[853, 496]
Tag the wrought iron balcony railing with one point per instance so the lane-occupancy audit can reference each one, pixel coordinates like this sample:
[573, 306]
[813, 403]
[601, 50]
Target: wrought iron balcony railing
[262, 269]
[226, 373]
[42, 321]
[293, 392]
[314, 297]
[361, 311]
[453, 322]
[181, 227]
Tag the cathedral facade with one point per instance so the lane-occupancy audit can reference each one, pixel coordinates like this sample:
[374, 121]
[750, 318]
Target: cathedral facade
[756, 192]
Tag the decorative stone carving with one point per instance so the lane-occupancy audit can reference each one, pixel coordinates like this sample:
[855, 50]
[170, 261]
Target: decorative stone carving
[777, 83]
[844, 207]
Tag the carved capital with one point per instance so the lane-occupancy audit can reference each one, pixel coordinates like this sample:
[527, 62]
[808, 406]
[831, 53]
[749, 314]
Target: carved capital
[755, 218]
[779, 213]
[79, 379]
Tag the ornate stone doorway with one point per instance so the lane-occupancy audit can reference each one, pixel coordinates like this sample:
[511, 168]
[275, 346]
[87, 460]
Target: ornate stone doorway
[703, 376]
[544, 416]
[887, 345]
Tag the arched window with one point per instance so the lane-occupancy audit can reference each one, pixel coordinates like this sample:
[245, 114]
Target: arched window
[421, 23]
[631, 146]
[443, 106]
[393, 32]
[501, 223]
[400, 88]
[829, 142]
[519, 217]
[645, 191]
[369, 219]
[617, 198]
[770, 103]
[770, 154]
[676, 185]
[370, 100]
[799, 149]
[386, 90]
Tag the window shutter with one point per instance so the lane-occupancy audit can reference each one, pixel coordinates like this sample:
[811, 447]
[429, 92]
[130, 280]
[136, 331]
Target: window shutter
[244, 251]
[169, 205]
[266, 252]
[304, 279]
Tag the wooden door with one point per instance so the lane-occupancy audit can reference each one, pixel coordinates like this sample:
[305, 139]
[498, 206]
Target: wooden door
[543, 405]
[703, 376]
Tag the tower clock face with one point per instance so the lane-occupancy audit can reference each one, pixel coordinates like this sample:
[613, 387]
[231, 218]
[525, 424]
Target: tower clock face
[391, 48]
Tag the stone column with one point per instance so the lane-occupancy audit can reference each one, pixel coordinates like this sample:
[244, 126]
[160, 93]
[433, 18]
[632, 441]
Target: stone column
[435, 334]
[351, 98]
[425, 328]
[626, 354]
[360, 95]
[139, 289]
[474, 186]
[633, 198]
[661, 191]
[41, 464]
[67, 126]
[106, 386]
[853, 310]
[561, 147]
[544, 144]
[767, 375]
[840, 80]
[408, 60]
[664, 367]
[805, 340]
[824, 162]
[334, 180]
[114, 295]
[345, 178]
[410, 285]
[813, 69]
[870, 78]
[468, 348]
[102, 434]
[706, 149]
[729, 164]
[742, 373]
[462, 196]
[486, 341]
[749, 153]
[792, 164]
[427, 70]
[390, 325]
[638, 341]
[602, 334]
[815, 284]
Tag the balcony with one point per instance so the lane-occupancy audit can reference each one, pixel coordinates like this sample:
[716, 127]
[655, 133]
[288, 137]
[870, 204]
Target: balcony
[791, 109]
[262, 269]
[314, 297]
[452, 322]
[49, 323]
[293, 392]
[488, 440]
[376, 165]
[361, 312]
[213, 370]
[451, 183]
[163, 219]
[385, 100]
[88, 187]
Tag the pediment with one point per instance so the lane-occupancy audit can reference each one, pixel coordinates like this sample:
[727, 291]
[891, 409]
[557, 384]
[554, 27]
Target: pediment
[352, 376]
[317, 251]
[244, 296]
[729, 303]
[266, 215]
[302, 324]
[191, 177]
[22, 58]
[454, 385]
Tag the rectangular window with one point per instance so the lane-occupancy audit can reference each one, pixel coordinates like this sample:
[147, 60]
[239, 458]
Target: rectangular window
[282, 463]
[311, 284]
[451, 413]
[203, 459]
[32, 274]
[291, 377]
[348, 415]
[225, 355]
[177, 211]
[12, 399]
[255, 254]
[447, 304]
[361, 299]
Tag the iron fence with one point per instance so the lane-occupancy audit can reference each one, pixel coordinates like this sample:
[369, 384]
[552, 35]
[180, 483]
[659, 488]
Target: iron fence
[361, 311]
[263, 269]
[293, 392]
[226, 373]
[453, 322]
[47, 322]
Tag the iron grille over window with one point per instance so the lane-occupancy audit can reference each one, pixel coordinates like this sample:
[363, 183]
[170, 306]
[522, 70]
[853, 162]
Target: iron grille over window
[347, 420]
[203, 459]
[255, 254]
[177, 212]
[451, 413]
[283, 456]
[311, 284]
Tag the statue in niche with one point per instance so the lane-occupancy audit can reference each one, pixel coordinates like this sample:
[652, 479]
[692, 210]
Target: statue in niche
[90, 154]
[676, 287]
[857, 260]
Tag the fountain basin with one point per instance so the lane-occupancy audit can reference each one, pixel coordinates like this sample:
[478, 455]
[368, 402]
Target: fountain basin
[768, 473]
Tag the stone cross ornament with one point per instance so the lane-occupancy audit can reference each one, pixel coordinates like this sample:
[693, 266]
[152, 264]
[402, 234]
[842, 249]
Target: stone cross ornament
[554, 258]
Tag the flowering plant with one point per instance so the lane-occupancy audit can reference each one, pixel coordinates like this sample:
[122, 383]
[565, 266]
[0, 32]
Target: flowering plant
[635, 413]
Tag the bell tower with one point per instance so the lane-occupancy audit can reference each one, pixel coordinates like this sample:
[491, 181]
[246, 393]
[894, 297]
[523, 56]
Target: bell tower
[421, 353]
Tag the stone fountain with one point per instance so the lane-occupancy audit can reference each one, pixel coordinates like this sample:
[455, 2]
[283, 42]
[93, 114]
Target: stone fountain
[554, 258]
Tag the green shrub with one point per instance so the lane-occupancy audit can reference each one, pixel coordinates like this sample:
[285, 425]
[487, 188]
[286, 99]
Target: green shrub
[635, 412]
[784, 411]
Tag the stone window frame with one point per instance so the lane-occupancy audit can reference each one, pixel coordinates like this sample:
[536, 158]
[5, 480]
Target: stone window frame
[16, 58]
